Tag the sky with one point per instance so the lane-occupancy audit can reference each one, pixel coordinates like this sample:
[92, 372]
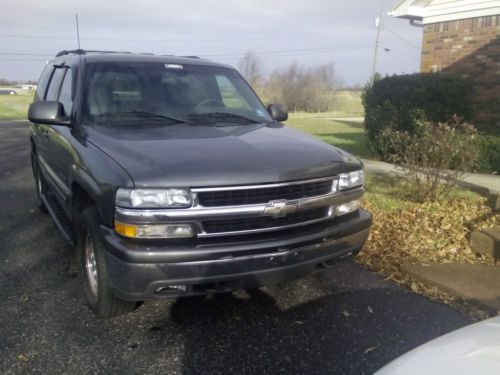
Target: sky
[278, 31]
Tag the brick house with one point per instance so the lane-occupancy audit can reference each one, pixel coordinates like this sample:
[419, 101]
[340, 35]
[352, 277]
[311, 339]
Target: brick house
[463, 37]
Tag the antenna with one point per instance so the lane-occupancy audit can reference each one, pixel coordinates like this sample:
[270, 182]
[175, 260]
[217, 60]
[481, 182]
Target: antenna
[77, 30]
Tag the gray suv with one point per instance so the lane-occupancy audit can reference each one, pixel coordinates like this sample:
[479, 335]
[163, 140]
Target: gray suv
[172, 179]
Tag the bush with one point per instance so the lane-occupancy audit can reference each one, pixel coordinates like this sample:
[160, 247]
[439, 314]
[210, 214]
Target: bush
[403, 102]
[489, 151]
[436, 158]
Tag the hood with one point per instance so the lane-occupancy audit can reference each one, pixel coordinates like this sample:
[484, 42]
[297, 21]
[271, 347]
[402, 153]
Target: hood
[199, 155]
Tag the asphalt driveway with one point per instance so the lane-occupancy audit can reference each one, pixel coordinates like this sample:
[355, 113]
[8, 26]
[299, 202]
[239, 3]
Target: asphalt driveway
[345, 320]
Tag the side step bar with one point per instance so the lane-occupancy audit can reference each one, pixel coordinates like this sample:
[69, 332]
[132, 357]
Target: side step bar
[62, 221]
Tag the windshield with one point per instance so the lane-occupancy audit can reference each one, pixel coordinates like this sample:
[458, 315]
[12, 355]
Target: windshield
[128, 93]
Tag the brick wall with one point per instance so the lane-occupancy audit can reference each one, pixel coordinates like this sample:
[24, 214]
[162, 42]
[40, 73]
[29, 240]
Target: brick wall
[469, 47]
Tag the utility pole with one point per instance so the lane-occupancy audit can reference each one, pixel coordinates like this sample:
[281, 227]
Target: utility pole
[378, 25]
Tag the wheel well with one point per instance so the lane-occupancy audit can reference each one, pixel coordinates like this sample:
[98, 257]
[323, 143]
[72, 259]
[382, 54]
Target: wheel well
[80, 198]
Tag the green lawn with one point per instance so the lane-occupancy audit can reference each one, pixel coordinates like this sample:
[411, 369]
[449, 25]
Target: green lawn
[15, 107]
[348, 135]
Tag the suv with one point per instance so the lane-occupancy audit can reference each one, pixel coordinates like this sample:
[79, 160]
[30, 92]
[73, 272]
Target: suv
[172, 179]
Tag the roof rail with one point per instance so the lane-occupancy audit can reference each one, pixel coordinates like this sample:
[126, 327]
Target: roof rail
[84, 51]
[191, 57]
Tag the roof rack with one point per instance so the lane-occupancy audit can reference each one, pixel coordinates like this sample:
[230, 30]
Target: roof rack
[84, 51]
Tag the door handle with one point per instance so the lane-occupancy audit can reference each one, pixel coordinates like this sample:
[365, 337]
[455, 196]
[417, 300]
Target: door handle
[46, 135]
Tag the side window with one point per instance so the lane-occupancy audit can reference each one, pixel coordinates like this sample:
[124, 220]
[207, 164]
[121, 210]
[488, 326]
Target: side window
[42, 82]
[55, 84]
[65, 94]
[229, 94]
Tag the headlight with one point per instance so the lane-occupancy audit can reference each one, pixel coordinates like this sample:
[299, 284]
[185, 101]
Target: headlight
[153, 198]
[351, 180]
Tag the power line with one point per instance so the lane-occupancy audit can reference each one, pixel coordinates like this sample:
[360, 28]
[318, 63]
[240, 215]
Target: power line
[21, 60]
[25, 54]
[401, 38]
[239, 54]
[21, 36]
[294, 51]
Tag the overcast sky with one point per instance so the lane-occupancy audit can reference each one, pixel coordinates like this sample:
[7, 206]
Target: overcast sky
[280, 32]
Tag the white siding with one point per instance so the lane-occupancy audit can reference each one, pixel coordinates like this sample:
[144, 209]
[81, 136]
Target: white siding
[446, 10]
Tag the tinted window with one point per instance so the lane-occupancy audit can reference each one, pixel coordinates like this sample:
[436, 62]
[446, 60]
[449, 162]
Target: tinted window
[65, 94]
[42, 82]
[55, 84]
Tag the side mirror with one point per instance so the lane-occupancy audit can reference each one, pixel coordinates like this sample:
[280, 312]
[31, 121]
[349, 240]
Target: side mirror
[278, 112]
[47, 112]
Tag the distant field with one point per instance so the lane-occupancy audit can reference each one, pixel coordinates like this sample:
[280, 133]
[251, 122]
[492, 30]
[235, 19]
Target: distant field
[15, 107]
[348, 135]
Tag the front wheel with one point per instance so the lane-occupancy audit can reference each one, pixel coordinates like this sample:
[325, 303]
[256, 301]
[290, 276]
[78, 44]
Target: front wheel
[92, 263]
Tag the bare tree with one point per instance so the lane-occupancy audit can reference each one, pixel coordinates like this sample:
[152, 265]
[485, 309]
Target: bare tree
[303, 88]
[251, 68]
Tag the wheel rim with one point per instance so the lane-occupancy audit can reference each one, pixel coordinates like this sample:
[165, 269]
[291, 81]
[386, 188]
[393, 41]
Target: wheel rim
[91, 265]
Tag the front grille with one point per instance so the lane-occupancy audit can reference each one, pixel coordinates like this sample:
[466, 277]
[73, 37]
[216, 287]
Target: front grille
[234, 225]
[263, 194]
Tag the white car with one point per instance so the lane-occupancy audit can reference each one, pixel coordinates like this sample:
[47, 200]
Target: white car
[474, 349]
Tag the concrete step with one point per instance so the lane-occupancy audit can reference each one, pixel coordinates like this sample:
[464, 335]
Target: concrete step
[475, 283]
[486, 241]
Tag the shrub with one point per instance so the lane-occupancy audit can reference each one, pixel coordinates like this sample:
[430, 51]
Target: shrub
[489, 151]
[436, 158]
[404, 102]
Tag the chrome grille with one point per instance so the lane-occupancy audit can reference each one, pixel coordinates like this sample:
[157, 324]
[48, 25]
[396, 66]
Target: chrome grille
[250, 224]
[279, 206]
[263, 194]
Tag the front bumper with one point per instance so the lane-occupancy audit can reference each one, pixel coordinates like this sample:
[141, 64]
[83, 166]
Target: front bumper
[140, 270]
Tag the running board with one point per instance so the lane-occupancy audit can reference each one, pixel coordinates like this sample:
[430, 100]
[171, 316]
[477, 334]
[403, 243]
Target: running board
[63, 223]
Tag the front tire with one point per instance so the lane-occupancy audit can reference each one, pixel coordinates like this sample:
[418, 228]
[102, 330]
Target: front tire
[92, 264]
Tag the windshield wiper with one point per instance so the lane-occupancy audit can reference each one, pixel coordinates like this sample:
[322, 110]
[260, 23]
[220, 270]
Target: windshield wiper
[219, 117]
[142, 114]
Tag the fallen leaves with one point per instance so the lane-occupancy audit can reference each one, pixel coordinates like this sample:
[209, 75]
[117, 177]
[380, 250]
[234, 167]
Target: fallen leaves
[424, 233]
[23, 358]
[371, 349]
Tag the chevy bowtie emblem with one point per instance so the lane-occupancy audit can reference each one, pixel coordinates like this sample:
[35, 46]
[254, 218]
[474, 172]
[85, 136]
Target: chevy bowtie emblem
[279, 208]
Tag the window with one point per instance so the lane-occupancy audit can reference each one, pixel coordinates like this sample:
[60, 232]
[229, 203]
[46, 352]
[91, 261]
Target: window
[229, 94]
[42, 82]
[65, 94]
[55, 84]
[129, 92]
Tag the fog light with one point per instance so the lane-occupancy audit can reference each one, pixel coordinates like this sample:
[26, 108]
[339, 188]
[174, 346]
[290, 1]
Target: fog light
[155, 230]
[348, 207]
[179, 231]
